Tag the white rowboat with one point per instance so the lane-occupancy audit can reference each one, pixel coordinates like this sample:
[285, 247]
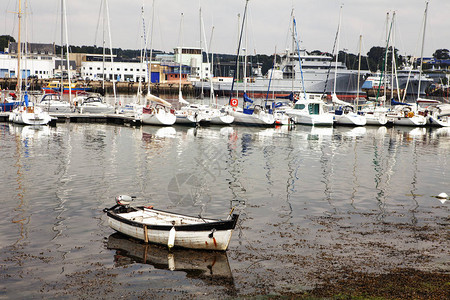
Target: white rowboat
[166, 228]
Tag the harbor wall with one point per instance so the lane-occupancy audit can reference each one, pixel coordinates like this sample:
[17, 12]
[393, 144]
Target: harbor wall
[122, 87]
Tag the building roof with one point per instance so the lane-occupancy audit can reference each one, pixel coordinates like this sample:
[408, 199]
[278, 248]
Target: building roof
[48, 49]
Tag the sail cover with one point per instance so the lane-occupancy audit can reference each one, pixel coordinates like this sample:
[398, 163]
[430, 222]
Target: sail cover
[247, 99]
[153, 98]
[393, 102]
[336, 100]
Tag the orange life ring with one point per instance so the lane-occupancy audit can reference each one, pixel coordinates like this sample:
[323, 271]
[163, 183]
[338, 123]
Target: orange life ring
[234, 102]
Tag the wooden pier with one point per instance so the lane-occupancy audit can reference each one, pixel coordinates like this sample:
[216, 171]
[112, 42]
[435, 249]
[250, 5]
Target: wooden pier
[86, 118]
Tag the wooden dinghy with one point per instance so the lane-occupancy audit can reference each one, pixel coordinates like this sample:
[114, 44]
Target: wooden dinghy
[171, 229]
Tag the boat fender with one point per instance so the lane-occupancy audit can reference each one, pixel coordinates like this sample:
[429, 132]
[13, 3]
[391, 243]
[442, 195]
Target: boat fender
[211, 235]
[171, 241]
[171, 261]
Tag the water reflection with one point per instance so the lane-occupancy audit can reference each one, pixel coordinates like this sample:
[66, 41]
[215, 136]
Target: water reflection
[211, 267]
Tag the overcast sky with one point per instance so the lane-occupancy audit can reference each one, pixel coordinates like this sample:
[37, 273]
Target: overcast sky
[268, 23]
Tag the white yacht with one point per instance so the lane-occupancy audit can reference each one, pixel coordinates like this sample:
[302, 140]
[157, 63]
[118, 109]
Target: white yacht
[53, 103]
[92, 104]
[158, 112]
[29, 115]
[310, 110]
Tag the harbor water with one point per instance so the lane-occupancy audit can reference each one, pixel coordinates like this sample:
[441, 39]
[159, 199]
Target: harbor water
[317, 206]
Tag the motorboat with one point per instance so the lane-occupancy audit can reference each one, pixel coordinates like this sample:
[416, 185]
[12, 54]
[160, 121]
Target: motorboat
[93, 104]
[406, 115]
[310, 110]
[54, 104]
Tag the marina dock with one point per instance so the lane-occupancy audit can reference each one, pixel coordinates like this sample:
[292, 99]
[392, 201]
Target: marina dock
[86, 118]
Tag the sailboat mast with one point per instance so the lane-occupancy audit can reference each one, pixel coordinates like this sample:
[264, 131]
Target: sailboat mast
[337, 50]
[111, 53]
[201, 54]
[19, 53]
[237, 56]
[143, 51]
[149, 66]
[202, 25]
[67, 55]
[385, 55]
[211, 73]
[359, 71]
[421, 51]
[180, 57]
[244, 75]
[293, 51]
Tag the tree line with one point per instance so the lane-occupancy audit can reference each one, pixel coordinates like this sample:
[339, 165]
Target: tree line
[375, 60]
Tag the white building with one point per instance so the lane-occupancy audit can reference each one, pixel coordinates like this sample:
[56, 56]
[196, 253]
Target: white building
[93, 68]
[40, 61]
[193, 57]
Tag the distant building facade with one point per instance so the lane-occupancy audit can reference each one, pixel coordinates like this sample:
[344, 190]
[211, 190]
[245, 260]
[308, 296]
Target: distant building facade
[38, 60]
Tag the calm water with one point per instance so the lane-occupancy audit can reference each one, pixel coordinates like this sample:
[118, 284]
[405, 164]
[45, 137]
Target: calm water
[308, 198]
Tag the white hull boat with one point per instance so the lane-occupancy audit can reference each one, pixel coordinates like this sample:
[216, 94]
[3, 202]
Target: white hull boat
[52, 103]
[221, 116]
[30, 115]
[257, 118]
[92, 105]
[171, 229]
[376, 119]
[416, 120]
[222, 120]
[438, 121]
[313, 120]
[404, 115]
[350, 119]
[310, 111]
[157, 116]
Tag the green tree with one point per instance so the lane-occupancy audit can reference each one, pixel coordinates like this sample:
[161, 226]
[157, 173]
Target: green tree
[442, 54]
[4, 40]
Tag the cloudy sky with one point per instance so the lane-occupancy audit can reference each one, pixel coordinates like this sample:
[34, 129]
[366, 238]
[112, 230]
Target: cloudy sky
[268, 23]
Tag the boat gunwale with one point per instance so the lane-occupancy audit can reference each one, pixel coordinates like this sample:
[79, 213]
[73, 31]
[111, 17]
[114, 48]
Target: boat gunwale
[216, 224]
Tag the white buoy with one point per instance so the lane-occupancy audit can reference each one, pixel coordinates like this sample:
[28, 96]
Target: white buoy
[442, 196]
[171, 241]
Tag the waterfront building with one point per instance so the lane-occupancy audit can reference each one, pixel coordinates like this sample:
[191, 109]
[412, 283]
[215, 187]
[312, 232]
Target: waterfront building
[39, 61]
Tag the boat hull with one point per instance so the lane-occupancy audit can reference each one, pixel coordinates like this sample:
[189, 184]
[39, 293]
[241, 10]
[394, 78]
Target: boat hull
[438, 121]
[96, 109]
[206, 235]
[350, 119]
[261, 119]
[29, 116]
[222, 120]
[161, 119]
[376, 120]
[416, 120]
[312, 120]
